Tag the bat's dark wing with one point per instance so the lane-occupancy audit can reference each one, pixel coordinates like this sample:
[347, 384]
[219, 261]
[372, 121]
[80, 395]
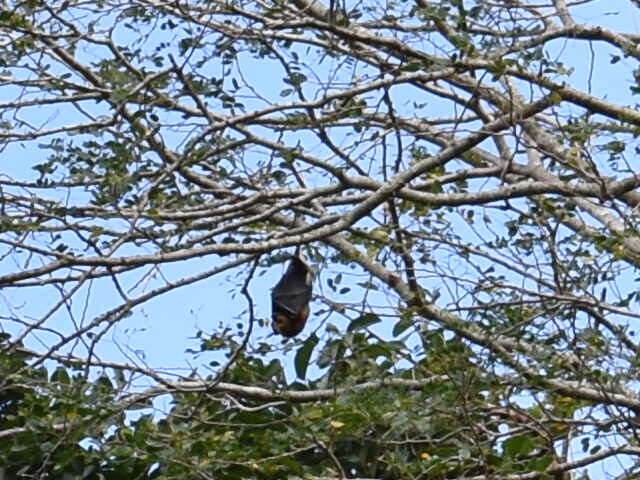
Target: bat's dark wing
[292, 294]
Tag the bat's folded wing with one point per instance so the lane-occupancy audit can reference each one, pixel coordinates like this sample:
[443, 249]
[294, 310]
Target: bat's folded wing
[290, 299]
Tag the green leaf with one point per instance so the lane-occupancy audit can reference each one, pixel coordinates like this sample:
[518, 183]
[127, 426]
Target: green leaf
[518, 445]
[541, 464]
[60, 375]
[332, 350]
[105, 382]
[403, 324]
[363, 321]
[304, 354]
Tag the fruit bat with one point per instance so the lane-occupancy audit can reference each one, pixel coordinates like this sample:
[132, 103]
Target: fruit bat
[290, 299]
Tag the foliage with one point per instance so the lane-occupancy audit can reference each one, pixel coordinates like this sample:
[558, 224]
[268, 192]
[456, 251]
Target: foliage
[460, 173]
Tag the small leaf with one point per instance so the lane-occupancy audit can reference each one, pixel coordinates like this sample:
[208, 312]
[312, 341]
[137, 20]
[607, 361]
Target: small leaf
[105, 382]
[304, 354]
[518, 445]
[556, 98]
[585, 444]
[404, 323]
[60, 375]
[363, 321]
[329, 353]
[540, 464]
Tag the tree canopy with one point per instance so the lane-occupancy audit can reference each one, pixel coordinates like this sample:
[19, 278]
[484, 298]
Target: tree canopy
[460, 175]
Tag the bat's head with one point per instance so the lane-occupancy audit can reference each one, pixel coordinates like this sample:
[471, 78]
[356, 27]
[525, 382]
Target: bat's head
[289, 325]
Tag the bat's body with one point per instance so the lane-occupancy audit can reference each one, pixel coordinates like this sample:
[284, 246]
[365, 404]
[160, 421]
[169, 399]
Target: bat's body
[290, 299]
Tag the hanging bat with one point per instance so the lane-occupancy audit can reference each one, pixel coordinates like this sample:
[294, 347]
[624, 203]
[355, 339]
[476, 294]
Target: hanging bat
[290, 299]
